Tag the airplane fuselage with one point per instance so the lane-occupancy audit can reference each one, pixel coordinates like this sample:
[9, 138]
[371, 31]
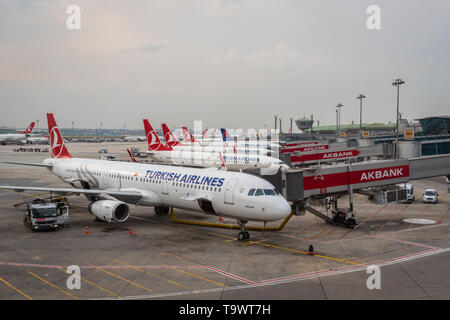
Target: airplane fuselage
[178, 187]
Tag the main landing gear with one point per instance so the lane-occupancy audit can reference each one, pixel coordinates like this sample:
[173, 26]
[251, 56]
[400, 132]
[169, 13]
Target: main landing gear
[161, 210]
[243, 234]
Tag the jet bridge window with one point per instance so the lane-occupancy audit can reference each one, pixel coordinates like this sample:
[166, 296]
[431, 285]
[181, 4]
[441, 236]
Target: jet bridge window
[251, 192]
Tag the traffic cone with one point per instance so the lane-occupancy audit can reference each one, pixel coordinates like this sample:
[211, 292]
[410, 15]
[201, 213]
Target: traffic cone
[311, 250]
[86, 230]
[220, 219]
[130, 232]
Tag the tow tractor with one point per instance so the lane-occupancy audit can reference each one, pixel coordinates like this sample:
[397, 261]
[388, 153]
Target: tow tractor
[42, 215]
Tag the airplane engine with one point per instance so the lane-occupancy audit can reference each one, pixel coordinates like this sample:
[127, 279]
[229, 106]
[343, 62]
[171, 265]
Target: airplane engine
[110, 210]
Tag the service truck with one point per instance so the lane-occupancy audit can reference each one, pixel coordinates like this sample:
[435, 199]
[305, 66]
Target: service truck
[46, 215]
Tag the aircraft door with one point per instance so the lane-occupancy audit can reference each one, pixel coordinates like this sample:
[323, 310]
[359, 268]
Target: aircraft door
[165, 187]
[229, 191]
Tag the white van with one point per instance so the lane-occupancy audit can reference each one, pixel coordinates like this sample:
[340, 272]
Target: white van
[410, 197]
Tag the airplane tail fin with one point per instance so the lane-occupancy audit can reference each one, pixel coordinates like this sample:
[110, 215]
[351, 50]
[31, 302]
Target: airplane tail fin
[225, 134]
[169, 137]
[131, 156]
[153, 141]
[188, 136]
[30, 128]
[58, 149]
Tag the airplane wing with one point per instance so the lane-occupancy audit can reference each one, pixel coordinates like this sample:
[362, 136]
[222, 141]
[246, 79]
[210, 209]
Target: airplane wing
[122, 195]
[30, 164]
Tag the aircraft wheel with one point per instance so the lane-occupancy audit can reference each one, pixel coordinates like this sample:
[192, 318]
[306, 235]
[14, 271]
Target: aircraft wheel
[243, 236]
[161, 210]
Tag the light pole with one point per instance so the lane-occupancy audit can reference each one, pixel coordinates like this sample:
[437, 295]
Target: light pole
[339, 106]
[397, 83]
[360, 97]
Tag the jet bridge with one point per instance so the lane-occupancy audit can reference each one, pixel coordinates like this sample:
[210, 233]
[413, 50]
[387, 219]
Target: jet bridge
[333, 181]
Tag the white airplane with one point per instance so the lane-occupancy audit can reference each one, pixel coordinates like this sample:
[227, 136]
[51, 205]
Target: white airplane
[233, 161]
[134, 138]
[112, 186]
[172, 142]
[227, 140]
[11, 137]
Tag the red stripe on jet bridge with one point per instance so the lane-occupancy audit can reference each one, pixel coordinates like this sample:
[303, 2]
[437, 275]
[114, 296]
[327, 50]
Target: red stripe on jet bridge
[305, 148]
[325, 156]
[354, 177]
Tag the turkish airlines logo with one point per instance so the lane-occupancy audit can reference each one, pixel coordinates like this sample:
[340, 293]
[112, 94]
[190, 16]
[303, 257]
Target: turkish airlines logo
[29, 128]
[188, 136]
[57, 142]
[153, 140]
[169, 138]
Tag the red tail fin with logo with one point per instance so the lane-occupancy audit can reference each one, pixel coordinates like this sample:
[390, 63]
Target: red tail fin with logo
[30, 128]
[153, 141]
[188, 137]
[169, 137]
[57, 146]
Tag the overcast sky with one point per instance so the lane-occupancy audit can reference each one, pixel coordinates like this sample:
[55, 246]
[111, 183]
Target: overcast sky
[230, 63]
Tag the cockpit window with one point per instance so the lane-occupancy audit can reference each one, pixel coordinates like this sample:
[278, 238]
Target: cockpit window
[251, 192]
[269, 192]
[259, 192]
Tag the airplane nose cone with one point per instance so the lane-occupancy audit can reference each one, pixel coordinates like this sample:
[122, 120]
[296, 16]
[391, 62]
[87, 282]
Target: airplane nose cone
[283, 208]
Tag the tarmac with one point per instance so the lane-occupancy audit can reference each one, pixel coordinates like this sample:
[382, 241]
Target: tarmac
[151, 257]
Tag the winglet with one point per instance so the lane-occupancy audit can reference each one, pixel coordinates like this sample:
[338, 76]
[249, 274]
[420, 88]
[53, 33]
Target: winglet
[58, 149]
[131, 156]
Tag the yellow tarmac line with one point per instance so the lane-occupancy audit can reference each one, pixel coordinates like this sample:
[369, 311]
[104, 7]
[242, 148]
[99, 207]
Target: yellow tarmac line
[126, 280]
[51, 284]
[307, 253]
[192, 274]
[253, 242]
[154, 275]
[12, 287]
[95, 285]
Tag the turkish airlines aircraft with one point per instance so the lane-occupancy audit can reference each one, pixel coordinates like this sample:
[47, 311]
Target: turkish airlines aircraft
[227, 140]
[172, 142]
[10, 137]
[112, 186]
[233, 161]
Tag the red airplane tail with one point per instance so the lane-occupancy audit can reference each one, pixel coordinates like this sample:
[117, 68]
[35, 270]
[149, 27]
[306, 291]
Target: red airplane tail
[188, 137]
[131, 156]
[57, 146]
[30, 128]
[169, 137]
[153, 141]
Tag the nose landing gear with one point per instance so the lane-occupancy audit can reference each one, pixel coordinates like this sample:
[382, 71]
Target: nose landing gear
[243, 234]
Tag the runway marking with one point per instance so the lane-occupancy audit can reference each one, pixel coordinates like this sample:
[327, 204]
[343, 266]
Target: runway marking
[300, 277]
[407, 242]
[95, 285]
[14, 288]
[367, 218]
[54, 286]
[392, 218]
[420, 215]
[126, 280]
[154, 275]
[307, 253]
[192, 274]
[445, 215]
